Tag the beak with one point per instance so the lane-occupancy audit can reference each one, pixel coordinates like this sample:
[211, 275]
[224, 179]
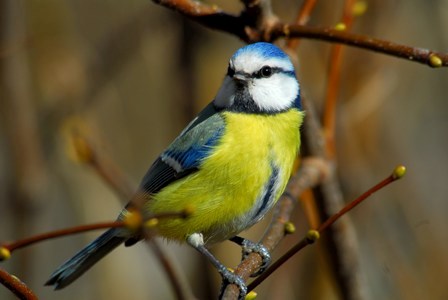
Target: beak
[241, 77]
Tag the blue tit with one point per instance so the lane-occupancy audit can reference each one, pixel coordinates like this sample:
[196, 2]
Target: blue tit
[230, 164]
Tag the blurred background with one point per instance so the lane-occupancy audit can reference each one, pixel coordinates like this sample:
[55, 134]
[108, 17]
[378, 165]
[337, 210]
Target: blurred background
[129, 75]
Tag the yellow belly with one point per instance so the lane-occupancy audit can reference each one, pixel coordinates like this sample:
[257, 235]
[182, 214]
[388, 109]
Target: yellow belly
[231, 179]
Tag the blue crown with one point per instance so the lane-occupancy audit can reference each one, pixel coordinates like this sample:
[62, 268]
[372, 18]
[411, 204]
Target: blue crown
[266, 50]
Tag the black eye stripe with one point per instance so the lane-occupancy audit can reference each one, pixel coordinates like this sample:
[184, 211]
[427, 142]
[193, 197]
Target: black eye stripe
[231, 72]
[258, 74]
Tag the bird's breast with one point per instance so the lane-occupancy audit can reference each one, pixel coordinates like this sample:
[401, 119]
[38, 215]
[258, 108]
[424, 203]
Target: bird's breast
[239, 181]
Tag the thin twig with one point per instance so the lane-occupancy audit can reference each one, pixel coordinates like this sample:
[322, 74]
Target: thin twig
[340, 240]
[313, 235]
[329, 115]
[26, 184]
[106, 169]
[398, 173]
[311, 173]
[181, 289]
[15, 285]
[303, 17]
[420, 55]
[134, 221]
[59, 233]
[113, 176]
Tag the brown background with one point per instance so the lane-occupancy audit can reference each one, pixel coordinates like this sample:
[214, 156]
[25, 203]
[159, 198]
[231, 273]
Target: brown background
[130, 74]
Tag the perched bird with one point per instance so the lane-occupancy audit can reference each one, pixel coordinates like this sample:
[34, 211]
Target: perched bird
[230, 164]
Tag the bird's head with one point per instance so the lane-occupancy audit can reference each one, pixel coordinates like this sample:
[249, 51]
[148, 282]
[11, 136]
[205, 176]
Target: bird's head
[260, 79]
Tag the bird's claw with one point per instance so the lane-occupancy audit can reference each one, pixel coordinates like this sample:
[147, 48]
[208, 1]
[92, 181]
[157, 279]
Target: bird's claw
[228, 277]
[249, 247]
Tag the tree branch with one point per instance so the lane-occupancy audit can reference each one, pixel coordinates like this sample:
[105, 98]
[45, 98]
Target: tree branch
[215, 18]
[420, 55]
[209, 16]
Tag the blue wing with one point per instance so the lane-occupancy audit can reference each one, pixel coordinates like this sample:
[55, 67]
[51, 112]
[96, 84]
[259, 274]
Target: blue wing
[185, 154]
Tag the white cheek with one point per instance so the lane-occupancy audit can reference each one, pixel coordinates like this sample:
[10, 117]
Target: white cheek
[275, 93]
[226, 93]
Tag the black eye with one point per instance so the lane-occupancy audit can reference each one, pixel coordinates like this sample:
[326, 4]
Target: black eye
[266, 71]
[230, 71]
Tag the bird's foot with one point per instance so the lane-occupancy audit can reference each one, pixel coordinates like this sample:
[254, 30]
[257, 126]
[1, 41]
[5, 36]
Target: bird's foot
[249, 247]
[228, 277]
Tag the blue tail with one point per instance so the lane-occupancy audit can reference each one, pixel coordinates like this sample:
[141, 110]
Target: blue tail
[85, 259]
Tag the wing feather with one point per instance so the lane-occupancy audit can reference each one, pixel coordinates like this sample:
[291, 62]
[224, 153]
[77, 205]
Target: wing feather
[186, 153]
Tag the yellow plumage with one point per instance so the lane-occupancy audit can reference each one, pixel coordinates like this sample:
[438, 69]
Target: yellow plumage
[229, 181]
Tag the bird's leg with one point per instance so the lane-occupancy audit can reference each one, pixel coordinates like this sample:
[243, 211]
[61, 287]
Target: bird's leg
[228, 277]
[249, 247]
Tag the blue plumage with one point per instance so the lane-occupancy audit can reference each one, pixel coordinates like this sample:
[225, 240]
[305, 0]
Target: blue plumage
[192, 156]
[269, 193]
[298, 102]
[266, 50]
[85, 259]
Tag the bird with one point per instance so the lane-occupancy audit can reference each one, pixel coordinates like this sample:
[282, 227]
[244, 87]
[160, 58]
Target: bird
[229, 165]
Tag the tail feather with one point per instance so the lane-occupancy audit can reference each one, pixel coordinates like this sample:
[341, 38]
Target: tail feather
[85, 259]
